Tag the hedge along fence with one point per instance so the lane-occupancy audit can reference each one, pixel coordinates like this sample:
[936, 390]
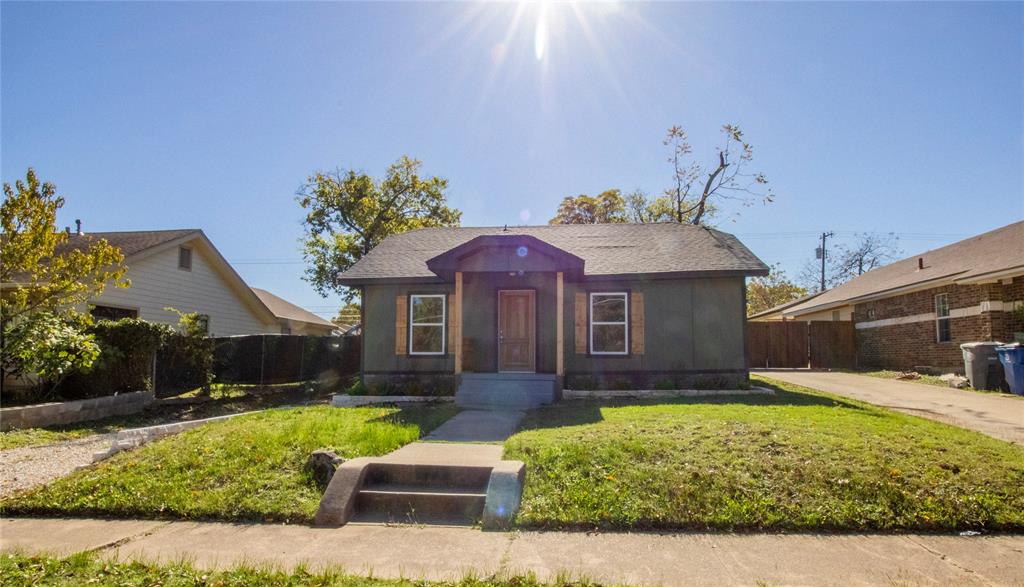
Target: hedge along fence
[265, 359]
[134, 354]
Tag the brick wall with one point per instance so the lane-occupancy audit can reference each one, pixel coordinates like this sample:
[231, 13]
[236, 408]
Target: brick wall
[906, 346]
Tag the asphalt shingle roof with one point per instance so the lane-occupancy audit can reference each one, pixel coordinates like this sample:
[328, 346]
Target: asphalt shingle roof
[998, 250]
[282, 308]
[607, 249]
[130, 242]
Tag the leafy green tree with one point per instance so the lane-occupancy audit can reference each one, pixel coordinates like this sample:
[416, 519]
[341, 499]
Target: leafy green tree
[45, 280]
[607, 207]
[764, 293]
[348, 315]
[349, 212]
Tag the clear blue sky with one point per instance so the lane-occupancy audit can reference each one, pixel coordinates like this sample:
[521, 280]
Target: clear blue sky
[865, 117]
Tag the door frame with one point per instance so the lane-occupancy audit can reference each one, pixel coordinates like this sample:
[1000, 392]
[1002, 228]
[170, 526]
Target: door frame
[497, 330]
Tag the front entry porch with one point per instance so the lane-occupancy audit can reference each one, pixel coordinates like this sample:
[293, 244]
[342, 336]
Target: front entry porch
[506, 391]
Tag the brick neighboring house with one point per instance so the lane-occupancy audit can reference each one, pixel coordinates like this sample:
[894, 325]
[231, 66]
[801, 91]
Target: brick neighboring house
[916, 312]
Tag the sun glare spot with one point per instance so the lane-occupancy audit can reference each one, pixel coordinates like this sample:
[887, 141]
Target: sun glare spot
[540, 34]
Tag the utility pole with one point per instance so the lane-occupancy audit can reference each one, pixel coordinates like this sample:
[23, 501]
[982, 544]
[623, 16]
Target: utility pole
[821, 255]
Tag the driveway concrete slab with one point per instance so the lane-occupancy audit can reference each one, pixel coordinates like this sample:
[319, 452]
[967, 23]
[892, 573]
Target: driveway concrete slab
[478, 426]
[997, 415]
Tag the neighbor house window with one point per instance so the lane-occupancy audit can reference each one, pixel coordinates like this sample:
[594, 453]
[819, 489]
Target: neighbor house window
[608, 318]
[203, 322]
[835, 315]
[185, 258]
[942, 318]
[112, 313]
[426, 324]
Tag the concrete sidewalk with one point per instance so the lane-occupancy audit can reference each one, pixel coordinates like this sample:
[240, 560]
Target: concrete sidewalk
[997, 415]
[438, 553]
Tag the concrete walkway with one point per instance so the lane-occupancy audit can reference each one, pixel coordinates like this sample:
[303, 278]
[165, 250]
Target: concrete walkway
[440, 553]
[997, 415]
[477, 426]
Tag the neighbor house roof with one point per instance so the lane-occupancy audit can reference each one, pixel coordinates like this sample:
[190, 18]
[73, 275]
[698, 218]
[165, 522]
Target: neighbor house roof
[283, 309]
[778, 309]
[133, 242]
[606, 249]
[990, 256]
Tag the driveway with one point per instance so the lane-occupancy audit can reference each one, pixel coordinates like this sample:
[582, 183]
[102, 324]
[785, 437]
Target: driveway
[997, 415]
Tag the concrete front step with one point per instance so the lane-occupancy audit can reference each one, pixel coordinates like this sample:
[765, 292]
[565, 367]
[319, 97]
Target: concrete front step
[422, 475]
[506, 390]
[422, 493]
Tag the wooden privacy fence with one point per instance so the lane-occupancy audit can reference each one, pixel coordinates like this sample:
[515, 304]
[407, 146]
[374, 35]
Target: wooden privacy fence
[795, 345]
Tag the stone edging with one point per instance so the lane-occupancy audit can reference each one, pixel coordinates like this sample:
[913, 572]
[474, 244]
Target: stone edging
[136, 437]
[659, 393]
[350, 401]
[49, 414]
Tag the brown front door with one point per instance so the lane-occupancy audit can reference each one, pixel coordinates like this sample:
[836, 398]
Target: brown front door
[517, 331]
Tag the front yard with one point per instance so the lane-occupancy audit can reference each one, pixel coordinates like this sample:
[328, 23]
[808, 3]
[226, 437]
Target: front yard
[246, 468]
[86, 569]
[227, 399]
[800, 460]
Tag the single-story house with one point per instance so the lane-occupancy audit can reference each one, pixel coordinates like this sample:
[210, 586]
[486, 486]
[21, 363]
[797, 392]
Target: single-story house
[916, 312]
[579, 305]
[775, 313]
[182, 269]
[295, 319]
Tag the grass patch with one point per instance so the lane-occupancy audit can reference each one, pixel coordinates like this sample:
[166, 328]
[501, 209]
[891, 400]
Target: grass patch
[246, 468]
[82, 569]
[800, 460]
[925, 379]
[235, 399]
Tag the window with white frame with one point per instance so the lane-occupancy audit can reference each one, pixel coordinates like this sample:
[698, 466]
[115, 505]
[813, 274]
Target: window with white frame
[609, 316]
[426, 324]
[185, 258]
[942, 318]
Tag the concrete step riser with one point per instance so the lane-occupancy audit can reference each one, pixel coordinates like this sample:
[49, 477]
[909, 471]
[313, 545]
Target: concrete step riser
[427, 475]
[413, 506]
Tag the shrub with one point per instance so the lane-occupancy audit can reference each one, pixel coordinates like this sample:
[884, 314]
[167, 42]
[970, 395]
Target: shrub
[621, 384]
[665, 385]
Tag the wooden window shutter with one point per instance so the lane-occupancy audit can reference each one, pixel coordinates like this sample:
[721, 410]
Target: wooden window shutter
[636, 324]
[580, 337]
[401, 324]
[452, 325]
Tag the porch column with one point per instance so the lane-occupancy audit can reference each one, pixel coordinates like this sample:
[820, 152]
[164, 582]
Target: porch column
[559, 325]
[457, 322]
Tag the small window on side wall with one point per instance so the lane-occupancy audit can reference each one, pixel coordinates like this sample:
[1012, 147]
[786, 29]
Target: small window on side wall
[942, 333]
[185, 258]
[112, 313]
[426, 324]
[203, 321]
[609, 316]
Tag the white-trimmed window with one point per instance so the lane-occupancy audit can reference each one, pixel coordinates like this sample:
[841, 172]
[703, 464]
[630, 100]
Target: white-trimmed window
[609, 318]
[942, 333]
[426, 324]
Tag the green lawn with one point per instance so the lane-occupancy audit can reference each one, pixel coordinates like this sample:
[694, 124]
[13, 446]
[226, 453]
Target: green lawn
[84, 569]
[799, 460]
[228, 400]
[246, 468]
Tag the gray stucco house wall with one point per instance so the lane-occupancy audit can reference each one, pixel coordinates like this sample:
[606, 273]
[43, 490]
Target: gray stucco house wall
[682, 288]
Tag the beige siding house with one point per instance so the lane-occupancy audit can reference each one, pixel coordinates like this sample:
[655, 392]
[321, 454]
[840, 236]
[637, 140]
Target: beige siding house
[182, 269]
